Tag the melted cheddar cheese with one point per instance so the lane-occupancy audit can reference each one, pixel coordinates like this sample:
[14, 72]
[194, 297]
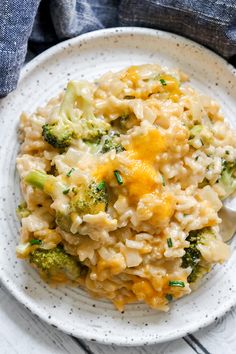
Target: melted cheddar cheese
[131, 75]
[147, 146]
[140, 177]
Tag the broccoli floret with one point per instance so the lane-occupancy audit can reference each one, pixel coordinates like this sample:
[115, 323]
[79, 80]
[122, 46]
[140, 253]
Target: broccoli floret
[54, 188]
[64, 221]
[48, 183]
[55, 263]
[38, 179]
[228, 178]
[111, 142]
[92, 129]
[82, 199]
[199, 270]
[86, 200]
[57, 135]
[75, 118]
[125, 122]
[22, 210]
[90, 200]
[192, 257]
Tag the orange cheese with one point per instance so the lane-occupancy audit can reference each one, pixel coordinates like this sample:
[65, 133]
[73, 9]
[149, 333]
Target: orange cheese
[172, 86]
[106, 171]
[140, 179]
[139, 175]
[131, 74]
[164, 212]
[143, 290]
[142, 151]
[121, 300]
[147, 146]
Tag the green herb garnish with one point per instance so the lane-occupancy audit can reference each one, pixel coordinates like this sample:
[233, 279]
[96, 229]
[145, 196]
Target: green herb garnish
[118, 177]
[177, 283]
[101, 185]
[129, 97]
[163, 180]
[163, 82]
[70, 172]
[66, 191]
[169, 242]
[35, 242]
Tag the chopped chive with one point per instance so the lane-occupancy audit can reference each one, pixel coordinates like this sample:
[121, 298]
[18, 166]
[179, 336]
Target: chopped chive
[118, 177]
[66, 191]
[185, 215]
[177, 283]
[163, 82]
[163, 180]
[35, 242]
[70, 172]
[196, 158]
[101, 185]
[169, 242]
[169, 297]
[129, 97]
[227, 152]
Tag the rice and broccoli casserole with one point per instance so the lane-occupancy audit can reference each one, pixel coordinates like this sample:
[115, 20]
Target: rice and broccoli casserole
[122, 181]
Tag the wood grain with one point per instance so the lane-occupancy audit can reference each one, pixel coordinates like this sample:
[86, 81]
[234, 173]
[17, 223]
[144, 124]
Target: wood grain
[23, 333]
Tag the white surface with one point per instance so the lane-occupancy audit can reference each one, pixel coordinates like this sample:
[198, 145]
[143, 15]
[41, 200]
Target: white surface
[89, 56]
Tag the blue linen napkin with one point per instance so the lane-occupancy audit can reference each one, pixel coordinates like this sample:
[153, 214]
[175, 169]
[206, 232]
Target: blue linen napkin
[39, 25]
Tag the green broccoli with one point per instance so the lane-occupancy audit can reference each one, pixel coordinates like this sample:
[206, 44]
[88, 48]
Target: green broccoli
[86, 200]
[92, 129]
[48, 183]
[59, 135]
[125, 122]
[192, 257]
[111, 142]
[228, 178]
[70, 122]
[90, 200]
[199, 270]
[22, 210]
[82, 200]
[64, 220]
[55, 264]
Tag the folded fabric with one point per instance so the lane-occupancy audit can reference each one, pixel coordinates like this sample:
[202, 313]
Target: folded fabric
[209, 22]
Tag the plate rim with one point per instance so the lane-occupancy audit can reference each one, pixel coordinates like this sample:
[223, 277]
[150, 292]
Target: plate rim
[14, 290]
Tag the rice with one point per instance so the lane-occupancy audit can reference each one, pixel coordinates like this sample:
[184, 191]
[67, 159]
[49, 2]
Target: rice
[174, 148]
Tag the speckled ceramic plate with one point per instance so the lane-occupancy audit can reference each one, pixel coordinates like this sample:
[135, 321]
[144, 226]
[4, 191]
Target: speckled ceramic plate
[70, 309]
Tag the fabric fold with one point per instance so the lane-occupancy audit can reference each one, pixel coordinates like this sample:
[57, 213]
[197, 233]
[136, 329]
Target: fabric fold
[208, 22]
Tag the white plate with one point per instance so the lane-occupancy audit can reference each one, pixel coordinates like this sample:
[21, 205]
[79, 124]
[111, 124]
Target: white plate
[70, 309]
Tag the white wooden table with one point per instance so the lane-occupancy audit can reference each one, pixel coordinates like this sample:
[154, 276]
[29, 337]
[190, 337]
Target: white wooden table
[23, 333]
